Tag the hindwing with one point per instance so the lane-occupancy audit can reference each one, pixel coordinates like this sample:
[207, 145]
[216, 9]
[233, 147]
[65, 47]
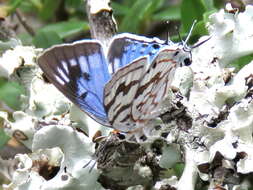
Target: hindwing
[154, 86]
[135, 91]
[120, 92]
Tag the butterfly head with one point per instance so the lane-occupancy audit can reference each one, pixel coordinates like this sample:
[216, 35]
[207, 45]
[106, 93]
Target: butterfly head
[186, 52]
[182, 52]
[185, 55]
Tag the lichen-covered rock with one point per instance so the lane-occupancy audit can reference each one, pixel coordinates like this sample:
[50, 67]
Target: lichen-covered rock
[18, 56]
[220, 102]
[57, 162]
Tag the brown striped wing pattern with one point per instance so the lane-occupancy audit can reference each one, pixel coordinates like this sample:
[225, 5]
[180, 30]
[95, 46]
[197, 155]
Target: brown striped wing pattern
[120, 92]
[135, 92]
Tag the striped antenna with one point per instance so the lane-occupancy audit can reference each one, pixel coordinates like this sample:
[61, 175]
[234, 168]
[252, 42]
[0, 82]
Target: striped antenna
[168, 33]
[200, 43]
[189, 35]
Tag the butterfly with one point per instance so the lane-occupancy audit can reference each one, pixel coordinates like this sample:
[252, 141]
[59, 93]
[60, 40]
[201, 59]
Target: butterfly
[120, 86]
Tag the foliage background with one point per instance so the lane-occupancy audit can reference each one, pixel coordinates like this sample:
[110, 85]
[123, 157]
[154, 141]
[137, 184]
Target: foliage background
[54, 22]
[43, 23]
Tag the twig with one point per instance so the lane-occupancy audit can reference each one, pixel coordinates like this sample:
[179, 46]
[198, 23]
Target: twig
[22, 20]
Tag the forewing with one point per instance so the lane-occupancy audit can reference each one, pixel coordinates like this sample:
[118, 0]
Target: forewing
[79, 71]
[125, 48]
[120, 92]
[154, 86]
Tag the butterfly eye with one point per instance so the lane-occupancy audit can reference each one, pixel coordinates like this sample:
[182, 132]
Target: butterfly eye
[187, 61]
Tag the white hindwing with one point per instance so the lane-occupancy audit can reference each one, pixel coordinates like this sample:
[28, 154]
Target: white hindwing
[134, 93]
[154, 86]
[120, 92]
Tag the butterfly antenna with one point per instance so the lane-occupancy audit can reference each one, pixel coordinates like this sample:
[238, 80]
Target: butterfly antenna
[190, 33]
[200, 43]
[168, 33]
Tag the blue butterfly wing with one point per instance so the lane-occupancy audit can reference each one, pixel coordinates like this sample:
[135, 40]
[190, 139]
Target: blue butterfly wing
[80, 72]
[125, 48]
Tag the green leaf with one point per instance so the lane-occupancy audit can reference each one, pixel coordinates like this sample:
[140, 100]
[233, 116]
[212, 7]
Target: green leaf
[218, 4]
[25, 38]
[207, 14]
[55, 33]
[170, 13]
[10, 93]
[178, 169]
[31, 6]
[38, 4]
[14, 4]
[191, 10]
[209, 4]
[27, 7]
[46, 39]
[66, 29]
[242, 61]
[119, 9]
[155, 7]
[200, 28]
[49, 8]
[198, 31]
[3, 138]
[139, 12]
[73, 3]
